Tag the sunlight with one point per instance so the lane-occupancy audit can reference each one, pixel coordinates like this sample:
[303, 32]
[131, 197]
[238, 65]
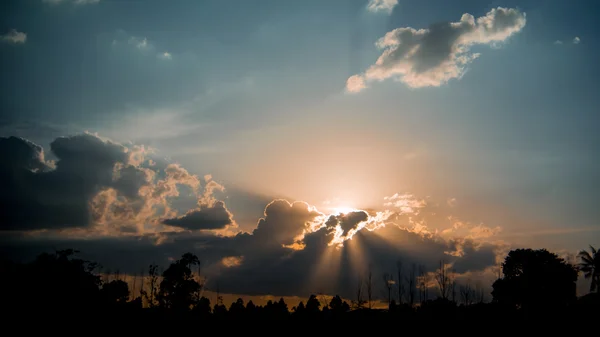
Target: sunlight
[327, 267]
[343, 209]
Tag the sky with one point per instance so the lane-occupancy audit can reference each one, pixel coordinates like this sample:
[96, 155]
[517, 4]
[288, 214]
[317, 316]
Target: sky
[291, 144]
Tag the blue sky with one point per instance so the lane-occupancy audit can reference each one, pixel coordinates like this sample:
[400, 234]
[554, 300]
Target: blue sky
[254, 93]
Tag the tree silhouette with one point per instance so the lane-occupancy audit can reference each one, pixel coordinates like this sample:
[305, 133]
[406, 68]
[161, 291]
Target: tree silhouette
[116, 291]
[299, 310]
[590, 266]
[369, 286]
[53, 284]
[178, 287]
[237, 309]
[388, 282]
[410, 284]
[202, 308]
[359, 302]
[337, 306]
[466, 293]
[400, 281]
[151, 295]
[535, 279]
[313, 305]
[444, 279]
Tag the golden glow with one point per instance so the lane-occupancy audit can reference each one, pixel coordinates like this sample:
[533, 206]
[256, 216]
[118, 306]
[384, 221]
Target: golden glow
[232, 261]
[373, 222]
[343, 209]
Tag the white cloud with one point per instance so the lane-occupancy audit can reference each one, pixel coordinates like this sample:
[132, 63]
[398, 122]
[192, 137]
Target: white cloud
[558, 42]
[382, 5]
[165, 56]
[355, 83]
[435, 55]
[405, 203]
[14, 36]
[139, 43]
[123, 39]
[576, 40]
[75, 2]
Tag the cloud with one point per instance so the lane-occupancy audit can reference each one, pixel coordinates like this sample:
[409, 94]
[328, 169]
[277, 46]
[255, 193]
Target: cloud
[210, 217]
[14, 36]
[576, 40]
[558, 42]
[122, 40]
[386, 6]
[232, 261]
[355, 83]
[36, 196]
[435, 55]
[165, 56]
[140, 43]
[346, 222]
[99, 187]
[75, 2]
[405, 203]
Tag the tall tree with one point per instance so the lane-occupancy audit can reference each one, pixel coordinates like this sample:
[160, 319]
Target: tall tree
[411, 283]
[151, 295]
[400, 281]
[178, 286]
[535, 278]
[359, 302]
[370, 288]
[313, 305]
[590, 266]
[388, 282]
[466, 293]
[444, 279]
[116, 291]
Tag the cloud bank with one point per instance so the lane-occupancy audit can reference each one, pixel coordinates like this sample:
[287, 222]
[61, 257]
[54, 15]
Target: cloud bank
[98, 185]
[433, 56]
[120, 205]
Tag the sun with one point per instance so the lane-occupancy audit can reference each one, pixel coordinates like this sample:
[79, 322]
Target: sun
[343, 209]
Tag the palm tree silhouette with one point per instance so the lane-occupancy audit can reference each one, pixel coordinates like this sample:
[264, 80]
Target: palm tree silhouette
[590, 266]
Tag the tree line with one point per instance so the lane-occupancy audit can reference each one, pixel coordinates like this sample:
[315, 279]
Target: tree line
[529, 283]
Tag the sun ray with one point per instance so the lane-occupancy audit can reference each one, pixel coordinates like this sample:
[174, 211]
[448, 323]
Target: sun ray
[327, 267]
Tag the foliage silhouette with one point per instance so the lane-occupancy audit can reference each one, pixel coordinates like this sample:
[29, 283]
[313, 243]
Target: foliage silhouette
[178, 287]
[115, 292]
[590, 266]
[535, 282]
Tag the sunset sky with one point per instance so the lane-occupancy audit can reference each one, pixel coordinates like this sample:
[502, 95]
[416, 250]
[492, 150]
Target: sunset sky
[290, 144]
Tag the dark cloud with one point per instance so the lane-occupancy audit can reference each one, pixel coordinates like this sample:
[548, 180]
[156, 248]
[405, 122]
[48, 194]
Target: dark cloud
[321, 267]
[130, 179]
[213, 217]
[96, 184]
[34, 196]
[18, 153]
[347, 221]
[284, 222]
